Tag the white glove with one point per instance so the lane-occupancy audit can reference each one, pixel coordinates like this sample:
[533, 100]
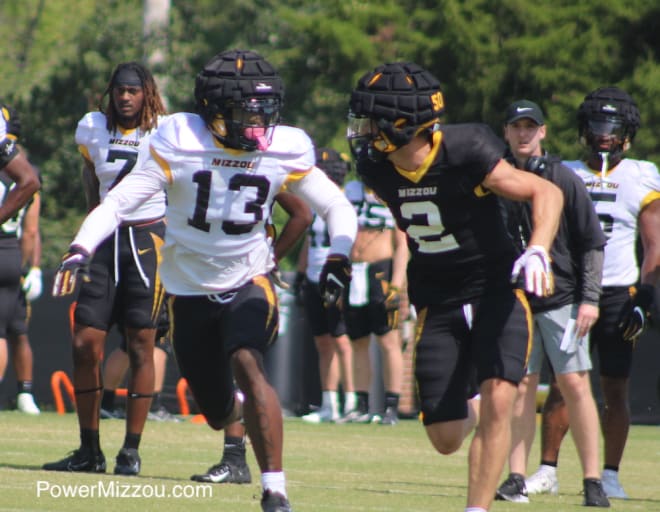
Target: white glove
[535, 263]
[32, 284]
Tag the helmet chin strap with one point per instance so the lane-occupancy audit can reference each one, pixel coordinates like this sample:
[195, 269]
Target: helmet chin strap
[604, 166]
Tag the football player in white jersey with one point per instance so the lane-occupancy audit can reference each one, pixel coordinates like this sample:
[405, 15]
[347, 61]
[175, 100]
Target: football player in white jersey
[625, 193]
[123, 285]
[222, 169]
[377, 293]
[326, 323]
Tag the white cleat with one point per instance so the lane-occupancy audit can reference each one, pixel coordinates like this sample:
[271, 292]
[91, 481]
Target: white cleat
[612, 486]
[25, 403]
[320, 416]
[544, 481]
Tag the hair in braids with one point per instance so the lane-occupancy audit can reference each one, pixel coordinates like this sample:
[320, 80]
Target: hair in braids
[153, 104]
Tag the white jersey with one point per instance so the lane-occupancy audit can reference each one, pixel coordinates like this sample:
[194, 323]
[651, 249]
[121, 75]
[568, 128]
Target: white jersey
[116, 154]
[317, 249]
[372, 213]
[619, 198]
[219, 202]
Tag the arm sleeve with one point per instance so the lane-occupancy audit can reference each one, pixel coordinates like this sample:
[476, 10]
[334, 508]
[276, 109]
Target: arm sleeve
[331, 204]
[592, 275]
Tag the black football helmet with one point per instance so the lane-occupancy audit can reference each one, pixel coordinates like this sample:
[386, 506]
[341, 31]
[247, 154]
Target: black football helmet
[333, 163]
[389, 106]
[608, 120]
[239, 95]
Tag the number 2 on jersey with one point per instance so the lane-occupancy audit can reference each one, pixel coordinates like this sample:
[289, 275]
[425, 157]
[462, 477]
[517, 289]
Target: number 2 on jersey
[426, 227]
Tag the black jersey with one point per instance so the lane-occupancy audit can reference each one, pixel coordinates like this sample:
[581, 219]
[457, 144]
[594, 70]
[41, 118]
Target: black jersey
[579, 231]
[455, 228]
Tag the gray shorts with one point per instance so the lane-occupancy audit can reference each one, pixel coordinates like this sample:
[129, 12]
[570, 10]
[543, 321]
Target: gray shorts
[554, 337]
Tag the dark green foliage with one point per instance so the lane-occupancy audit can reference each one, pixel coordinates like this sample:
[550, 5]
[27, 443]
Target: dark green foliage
[486, 53]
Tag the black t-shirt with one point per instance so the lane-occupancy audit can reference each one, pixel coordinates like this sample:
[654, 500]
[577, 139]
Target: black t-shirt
[579, 231]
[455, 228]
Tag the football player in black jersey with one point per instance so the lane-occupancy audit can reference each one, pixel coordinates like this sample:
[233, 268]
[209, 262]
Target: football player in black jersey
[563, 320]
[441, 182]
[15, 165]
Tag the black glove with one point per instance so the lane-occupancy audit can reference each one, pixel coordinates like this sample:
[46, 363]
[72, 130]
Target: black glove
[74, 262]
[392, 303]
[335, 278]
[634, 316]
[12, 120]
[297, 290]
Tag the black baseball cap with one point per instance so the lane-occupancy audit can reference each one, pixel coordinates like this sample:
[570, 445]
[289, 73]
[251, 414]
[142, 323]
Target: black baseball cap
[524, 109]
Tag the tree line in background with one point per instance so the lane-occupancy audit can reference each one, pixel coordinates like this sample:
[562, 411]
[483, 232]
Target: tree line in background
[57, 57]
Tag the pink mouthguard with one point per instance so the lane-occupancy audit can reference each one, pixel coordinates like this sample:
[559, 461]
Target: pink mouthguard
[257, 134]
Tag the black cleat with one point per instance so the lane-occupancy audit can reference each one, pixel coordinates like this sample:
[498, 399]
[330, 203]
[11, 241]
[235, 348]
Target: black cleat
[274, 502]
[594, 495]
[226, 473]
[128, 462]
[80, 460]
[513, 489]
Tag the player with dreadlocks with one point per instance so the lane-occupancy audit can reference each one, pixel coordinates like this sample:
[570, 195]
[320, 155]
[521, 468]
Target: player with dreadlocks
[625, 193]
[122, 284]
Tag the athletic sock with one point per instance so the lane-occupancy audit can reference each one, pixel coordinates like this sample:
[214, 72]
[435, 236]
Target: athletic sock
[362, 401]
[156, 402]
[330, 402]
[392, 400]
[132, 440]
[274, 482]
[349, 401]
[108, 400]
[24, 386]
[89, 439]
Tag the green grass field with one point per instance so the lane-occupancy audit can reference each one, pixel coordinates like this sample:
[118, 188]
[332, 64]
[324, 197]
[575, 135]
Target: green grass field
[328, 467]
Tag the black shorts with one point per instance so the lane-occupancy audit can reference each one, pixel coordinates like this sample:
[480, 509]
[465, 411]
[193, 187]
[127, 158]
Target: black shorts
[136, 299]
[449, 353]
[207, 330]
[13, 306]
[322, 320]
[162, 330]
[362, 321]
[614, 353]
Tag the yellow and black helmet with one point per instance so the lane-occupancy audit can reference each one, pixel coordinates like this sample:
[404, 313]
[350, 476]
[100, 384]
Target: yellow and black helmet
[233, 90]
[390, 105]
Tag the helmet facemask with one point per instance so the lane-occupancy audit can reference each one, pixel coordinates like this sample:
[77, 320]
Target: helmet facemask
[608, 120]
[247, 124]
[239, 95]
[389, 107]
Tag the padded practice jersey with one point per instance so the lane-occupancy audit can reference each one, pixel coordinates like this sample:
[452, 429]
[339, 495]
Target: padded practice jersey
[455, 230]
[619, 198]
[114, 155]
[218, 202]
[371, 212]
